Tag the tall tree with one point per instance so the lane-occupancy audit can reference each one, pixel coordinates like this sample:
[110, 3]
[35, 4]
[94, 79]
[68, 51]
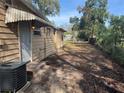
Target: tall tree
[94, 13]
[116, 24]
[75, 22]
[75, 27]
[49, 7]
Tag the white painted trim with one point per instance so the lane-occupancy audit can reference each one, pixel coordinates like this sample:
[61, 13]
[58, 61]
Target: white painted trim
[31, 41]
[20, 54]
[19, 40]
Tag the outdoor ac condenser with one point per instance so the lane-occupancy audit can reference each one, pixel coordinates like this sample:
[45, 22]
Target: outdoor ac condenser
[13, 76]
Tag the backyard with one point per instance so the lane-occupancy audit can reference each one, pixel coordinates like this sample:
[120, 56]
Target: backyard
[78, 68]
[61, 46]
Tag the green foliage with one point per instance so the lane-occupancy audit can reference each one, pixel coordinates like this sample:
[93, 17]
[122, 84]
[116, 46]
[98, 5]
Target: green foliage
[111, 38]
[82, 24]
[94, 13]
[49, 7]
[75, 26]
[74, 20]
[82, 36]
[118, 55]
[67, 33]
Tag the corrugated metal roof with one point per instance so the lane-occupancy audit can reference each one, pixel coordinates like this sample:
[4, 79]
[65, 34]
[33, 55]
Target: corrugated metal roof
[15, 15]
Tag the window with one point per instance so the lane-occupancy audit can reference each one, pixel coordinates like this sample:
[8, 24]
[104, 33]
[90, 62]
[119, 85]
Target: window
[37, 32]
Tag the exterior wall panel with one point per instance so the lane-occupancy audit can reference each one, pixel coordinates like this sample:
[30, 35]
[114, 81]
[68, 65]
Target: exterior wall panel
[43, 45]
[9, 50]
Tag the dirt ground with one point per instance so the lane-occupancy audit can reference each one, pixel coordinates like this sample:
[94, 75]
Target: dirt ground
[78, 68]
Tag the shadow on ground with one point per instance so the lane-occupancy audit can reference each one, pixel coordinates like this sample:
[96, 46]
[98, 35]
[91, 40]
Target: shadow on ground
[79, 68]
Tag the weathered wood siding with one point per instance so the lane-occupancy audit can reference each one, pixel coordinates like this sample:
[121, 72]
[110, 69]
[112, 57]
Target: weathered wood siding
[59, 39]
[43, 46]
[9, 50]
[50, 44]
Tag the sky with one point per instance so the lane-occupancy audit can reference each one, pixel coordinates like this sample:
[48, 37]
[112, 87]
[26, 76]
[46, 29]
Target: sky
[68, 8]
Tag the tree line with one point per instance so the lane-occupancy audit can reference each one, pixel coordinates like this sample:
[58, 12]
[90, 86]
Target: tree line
[101, 28]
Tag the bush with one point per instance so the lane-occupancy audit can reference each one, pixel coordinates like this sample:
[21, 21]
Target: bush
[82, 35]
[118, 55]
[108, 41]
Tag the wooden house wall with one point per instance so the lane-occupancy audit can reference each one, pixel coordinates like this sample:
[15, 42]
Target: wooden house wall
[9, 50]
[43, 46]
[50, 44]
[58, 39]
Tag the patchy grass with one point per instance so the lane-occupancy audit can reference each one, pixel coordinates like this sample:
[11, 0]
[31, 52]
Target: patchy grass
[68, 42]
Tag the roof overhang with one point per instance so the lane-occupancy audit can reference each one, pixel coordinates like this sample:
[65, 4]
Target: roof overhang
[61, 29]
[33, 8]
[16, 15]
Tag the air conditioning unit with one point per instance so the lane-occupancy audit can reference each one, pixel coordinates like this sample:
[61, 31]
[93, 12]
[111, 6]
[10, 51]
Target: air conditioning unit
[13, 76]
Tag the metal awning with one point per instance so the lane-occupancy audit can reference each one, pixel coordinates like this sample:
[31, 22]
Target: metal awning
[15, 15]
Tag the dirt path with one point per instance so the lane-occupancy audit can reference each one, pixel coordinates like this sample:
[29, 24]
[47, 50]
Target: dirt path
[78, 68]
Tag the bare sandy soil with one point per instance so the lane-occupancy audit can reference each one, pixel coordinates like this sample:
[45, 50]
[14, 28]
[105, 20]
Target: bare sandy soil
[78, 68]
